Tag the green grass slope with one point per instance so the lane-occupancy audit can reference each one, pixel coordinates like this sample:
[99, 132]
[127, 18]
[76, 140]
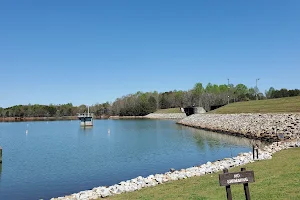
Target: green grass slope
[280, 105]
[278, 178]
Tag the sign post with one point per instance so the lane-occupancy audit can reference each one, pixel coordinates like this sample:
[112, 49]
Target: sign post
[244, 177]
[246, 187]
[228, 189]
[255, 151]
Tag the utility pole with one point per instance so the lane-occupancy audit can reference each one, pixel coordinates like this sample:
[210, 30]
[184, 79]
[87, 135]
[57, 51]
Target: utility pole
[228, 91]
[256, 89]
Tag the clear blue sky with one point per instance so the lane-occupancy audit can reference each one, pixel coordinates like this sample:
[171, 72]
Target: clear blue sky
[85, 52]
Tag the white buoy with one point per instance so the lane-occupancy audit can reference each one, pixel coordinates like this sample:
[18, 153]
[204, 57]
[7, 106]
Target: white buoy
[26, 132]
[108, 131]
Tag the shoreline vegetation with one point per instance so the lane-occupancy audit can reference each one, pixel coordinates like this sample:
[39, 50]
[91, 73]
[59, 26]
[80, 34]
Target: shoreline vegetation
[29, 119]
[143, 103]
[149, 116]
[276, 106]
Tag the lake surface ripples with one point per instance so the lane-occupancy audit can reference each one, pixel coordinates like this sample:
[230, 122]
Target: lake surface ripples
[59, 158]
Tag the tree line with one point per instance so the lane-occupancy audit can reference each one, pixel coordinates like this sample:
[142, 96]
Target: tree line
[272, 93]
[143, 103]
[51, 110]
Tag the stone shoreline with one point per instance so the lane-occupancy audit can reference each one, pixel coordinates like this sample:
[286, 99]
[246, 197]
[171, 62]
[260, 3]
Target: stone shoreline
[165, 116]
[153, 180]
[125, 117]
[266, 127]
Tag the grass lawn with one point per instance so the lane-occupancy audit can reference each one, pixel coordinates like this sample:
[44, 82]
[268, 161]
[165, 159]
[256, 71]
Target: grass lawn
[169, 110]
[278, 178]
[280, 105]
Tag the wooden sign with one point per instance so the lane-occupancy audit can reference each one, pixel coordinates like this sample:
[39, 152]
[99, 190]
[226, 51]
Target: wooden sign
[243, 177]
[236, 178]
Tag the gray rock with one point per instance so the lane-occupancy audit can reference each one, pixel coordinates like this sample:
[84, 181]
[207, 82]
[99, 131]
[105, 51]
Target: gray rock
[166, 116]
[172, 170]
[249, 125]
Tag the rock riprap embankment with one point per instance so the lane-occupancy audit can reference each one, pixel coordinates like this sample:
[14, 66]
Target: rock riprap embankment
[153, 180]
[268, 127]
[166, 116]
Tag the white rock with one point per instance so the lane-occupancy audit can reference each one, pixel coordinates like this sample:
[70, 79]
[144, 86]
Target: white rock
[105, 192]
[159, 180]
[182, 175]
[189, 174]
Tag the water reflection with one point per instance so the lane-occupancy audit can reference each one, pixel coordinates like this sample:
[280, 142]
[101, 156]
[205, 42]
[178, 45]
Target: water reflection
[85, 130]
[215, 140]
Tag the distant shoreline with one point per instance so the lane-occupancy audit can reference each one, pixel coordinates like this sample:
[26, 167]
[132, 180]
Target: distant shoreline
[153, 116]
[149, 116]
[28, 119]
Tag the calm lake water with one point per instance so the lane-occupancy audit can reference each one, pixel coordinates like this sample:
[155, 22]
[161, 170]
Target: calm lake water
[59, 158]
